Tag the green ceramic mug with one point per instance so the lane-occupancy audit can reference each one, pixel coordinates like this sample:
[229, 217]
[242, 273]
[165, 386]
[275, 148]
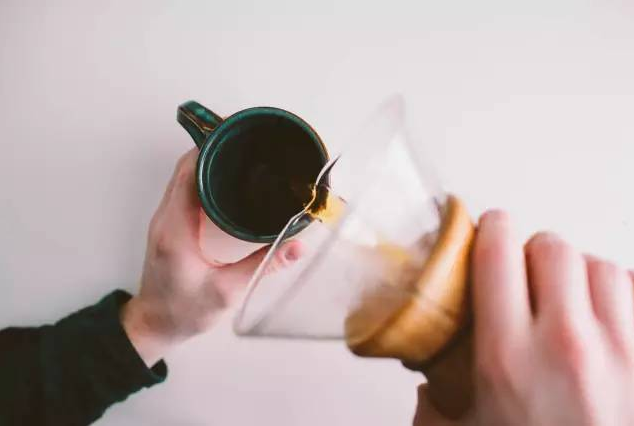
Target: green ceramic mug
[255, 170]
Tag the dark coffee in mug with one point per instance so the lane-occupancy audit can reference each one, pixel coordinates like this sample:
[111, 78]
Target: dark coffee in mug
[269, 172]
[256, 170]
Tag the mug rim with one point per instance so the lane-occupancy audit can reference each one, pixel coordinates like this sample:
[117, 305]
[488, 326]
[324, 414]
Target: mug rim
[211, 148]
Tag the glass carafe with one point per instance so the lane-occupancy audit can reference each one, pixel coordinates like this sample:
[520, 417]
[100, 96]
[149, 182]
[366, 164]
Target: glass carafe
[385, 262]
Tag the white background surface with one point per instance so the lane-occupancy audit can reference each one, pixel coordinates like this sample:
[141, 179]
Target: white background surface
[524, 105]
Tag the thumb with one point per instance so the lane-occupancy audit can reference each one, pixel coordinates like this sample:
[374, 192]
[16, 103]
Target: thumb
[287, 253]
[426, 414]
[235, 276]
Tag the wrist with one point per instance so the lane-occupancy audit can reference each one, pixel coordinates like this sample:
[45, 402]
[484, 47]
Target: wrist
[142, 326]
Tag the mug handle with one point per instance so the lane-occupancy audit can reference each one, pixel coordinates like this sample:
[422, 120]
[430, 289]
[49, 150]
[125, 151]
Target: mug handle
[197, 120]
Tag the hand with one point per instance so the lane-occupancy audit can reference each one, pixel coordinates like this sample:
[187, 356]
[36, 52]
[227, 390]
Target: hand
[181, 294]
[554, 335]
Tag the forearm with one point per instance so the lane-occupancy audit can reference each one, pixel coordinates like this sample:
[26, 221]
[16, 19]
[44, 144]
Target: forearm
[69, 373]
[151, 340]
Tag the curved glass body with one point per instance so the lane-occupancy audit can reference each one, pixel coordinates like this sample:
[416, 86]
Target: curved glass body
[362, 250]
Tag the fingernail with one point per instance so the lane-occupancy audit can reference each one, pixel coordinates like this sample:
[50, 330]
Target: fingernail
[545, 236]
[291, 254]
[495, 216]
[541, 239]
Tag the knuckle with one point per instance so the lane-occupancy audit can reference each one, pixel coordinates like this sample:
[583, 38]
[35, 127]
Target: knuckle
[568, 344]
[161, 243]
[496, 367]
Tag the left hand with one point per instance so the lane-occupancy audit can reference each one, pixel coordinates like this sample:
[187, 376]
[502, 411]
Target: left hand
[181, 294]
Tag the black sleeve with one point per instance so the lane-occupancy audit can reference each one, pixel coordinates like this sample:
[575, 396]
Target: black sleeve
[70, 372]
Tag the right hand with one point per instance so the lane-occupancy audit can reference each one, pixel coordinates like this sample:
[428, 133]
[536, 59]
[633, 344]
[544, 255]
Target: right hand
[554, 335]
